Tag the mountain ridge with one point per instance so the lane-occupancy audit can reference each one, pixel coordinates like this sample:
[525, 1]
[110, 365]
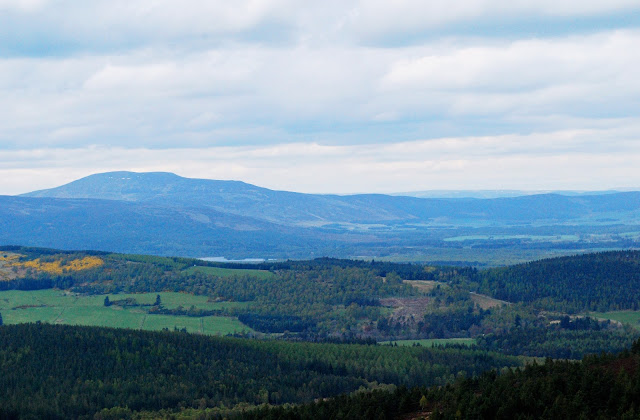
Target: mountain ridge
[300, 209]
[165, 214]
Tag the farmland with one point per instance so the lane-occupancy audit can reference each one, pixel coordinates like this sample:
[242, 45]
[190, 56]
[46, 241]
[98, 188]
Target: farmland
[626, 317]
[59, 307]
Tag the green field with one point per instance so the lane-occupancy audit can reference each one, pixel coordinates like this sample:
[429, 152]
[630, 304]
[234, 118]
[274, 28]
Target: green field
[430, 342]
[626, 317]
[59, 307]
[230, 272]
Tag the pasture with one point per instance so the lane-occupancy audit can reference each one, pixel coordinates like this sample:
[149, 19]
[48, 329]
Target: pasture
[486, 302]
[626, 317]
[60, 307]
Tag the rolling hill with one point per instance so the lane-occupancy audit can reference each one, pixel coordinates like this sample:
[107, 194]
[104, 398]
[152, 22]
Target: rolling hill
[165, 214]
[112, 225]
[288, 208]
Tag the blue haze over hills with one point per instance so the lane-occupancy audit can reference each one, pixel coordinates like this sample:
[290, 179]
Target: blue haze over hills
[162, 213]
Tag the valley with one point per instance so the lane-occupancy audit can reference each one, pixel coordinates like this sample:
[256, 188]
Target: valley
[436, 294]
[164, 214]
[325, 326]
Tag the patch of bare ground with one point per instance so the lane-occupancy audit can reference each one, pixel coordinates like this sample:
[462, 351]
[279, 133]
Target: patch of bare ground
[405, 309]
[423, 285]
[487, 302]
[9, 269]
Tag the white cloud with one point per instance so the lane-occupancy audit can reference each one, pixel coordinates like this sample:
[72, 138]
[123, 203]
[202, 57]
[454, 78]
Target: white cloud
[258, 94]
[575, 159]
[141, 22]
[380, 18]
[324, 96]
[22, 5]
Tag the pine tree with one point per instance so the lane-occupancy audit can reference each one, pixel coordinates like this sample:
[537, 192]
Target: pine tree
[424, 403]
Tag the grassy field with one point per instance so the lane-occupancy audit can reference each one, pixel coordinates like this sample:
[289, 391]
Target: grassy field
[626, 317]
[430, 342]
[58, 307]
[487, 302]
[229, 272]
[425, 285]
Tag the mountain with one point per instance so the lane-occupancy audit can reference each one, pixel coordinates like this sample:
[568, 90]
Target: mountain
[234, 197]
[163, 213]
[121, 226]
[288, 208]
[497, 193]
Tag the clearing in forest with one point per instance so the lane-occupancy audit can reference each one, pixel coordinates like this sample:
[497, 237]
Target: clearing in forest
[407, 309]
[424, 285]
[487, 302]
[60, 307]
[626, 317]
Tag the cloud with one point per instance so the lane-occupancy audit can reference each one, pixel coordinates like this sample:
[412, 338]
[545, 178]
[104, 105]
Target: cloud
[329, 94]
[342, 90]
[22, 5]
[377, 20]
[63, 26]
[574, 159]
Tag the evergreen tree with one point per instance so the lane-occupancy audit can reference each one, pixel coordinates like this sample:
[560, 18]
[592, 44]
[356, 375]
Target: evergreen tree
[107, 302]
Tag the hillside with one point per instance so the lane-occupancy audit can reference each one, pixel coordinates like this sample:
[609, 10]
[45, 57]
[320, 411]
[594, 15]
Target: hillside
[597, 282]
[317, 300]
[87, 370]
[132, 227]
[599, 387]
[290, 208]
[164, 214]
[233, 197]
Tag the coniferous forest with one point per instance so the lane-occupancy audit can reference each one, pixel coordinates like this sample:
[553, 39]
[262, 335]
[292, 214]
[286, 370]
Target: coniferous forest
[598, 387]
[356, 335]
[52, 371]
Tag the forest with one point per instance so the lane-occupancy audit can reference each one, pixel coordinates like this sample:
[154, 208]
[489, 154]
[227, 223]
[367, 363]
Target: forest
[599, 387]
[330, 299]
[602, 281]
[304, 330]
[107, 373]
[87, 369]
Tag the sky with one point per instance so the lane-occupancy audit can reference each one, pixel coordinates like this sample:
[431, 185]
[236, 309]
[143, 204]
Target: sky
[323, 97]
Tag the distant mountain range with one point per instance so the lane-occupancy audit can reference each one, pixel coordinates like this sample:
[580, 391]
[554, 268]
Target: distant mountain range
[296, 209]
[502, 193]
[162, 213]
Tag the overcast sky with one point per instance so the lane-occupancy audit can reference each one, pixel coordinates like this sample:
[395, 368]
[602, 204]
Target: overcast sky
[332, 96]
